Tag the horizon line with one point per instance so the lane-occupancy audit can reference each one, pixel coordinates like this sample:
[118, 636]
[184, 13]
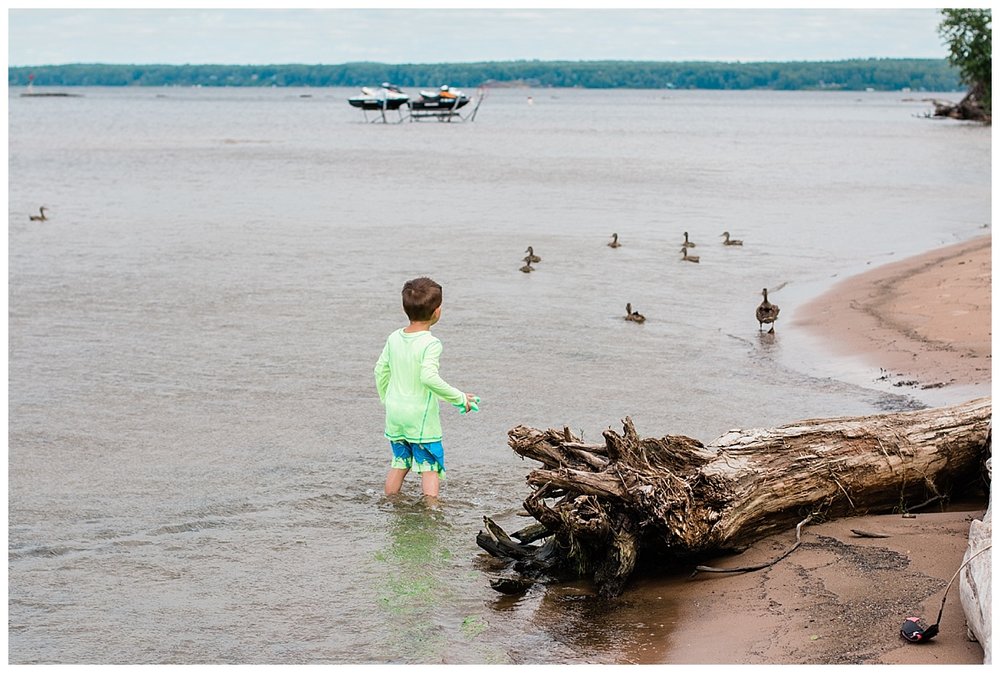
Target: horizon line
[517, 60]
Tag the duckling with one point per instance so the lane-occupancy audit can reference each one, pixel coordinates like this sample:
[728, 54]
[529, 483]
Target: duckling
[730, 241]
[527, 267]
[690, 258]
[40, 217]
[532, 257]
[687, 243]
[633, 316]
[614, 242]
[767, 312]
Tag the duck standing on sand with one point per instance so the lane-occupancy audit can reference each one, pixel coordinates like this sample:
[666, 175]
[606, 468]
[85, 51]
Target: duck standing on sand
[767, 313]
[690, 258]
[527, 267]
[614, 242]
[40, 217]
[687, 243]
[532, 257]
[730, 241]
[633, 316]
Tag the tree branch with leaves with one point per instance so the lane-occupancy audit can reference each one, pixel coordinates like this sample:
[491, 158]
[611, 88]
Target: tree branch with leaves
[969, 36]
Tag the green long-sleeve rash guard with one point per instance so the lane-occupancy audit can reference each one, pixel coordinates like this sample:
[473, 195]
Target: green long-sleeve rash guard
[407, 379]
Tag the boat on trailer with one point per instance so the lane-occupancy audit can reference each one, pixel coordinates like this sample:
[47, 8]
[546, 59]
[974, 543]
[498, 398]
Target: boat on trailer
[441, 104]
[444, 98]
[386, 97]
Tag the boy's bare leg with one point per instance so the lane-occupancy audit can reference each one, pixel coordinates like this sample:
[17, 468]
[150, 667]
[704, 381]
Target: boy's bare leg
[394, 480]
[429, 483]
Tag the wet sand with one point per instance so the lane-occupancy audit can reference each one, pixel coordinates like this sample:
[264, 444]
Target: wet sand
[840, 598]
[925, 320]
[837, 599]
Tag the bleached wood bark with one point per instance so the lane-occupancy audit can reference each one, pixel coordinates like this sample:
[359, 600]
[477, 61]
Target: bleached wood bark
[976, 583]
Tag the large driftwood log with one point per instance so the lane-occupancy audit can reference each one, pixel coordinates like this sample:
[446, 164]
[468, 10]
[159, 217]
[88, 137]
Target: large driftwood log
[676, 500]
[970, 108]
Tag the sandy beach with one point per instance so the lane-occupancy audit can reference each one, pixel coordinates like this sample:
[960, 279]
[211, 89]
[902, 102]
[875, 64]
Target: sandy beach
[925, 321]
[841, 598]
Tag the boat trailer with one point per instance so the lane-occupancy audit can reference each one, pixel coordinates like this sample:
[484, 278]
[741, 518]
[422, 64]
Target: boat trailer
[416, 113]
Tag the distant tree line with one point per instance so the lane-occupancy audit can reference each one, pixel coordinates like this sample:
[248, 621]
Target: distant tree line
[851, 75]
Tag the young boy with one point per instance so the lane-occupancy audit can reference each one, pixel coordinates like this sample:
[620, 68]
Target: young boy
[409, 386]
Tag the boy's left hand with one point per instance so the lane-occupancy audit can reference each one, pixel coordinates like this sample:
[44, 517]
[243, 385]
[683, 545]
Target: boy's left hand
[471, 404]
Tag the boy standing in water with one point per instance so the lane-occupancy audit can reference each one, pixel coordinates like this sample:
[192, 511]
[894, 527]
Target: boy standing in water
[409, 386]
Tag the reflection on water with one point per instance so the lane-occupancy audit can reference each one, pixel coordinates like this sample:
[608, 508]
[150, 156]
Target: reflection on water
[585, 622]
[588, 628]
[411, 592]
[420, 583]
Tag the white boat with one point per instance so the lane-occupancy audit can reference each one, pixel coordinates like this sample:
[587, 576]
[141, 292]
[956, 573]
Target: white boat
[386, 97]
[444, 98]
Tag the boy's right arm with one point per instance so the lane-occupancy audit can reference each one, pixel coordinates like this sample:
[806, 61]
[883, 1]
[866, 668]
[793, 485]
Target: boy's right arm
[382, 373]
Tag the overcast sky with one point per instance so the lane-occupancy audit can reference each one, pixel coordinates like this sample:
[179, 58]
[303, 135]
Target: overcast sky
[330, 36]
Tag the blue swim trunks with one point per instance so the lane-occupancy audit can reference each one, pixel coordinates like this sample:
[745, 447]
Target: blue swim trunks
[427, 457]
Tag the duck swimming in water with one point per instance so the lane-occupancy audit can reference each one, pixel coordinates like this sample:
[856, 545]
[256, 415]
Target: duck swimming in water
[532, 257]
[687, 243]
[527, 267]
[767, 313]
[633, 316]
[40, 217]
[614, 242]
[730, 241]
[690, 258]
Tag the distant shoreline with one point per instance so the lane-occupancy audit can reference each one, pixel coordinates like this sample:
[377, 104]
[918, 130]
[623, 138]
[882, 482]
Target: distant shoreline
[847, 75]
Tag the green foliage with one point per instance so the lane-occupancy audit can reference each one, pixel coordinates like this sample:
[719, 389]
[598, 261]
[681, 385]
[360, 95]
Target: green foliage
[851, 75]
[969, 35]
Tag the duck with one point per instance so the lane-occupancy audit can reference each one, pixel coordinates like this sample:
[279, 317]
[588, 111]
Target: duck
[730, 241]
[527, 267]
[40, 217]
[690, 258]
[687, 243]
[532, 257]
[633, 316]
[614, 242]
[767, 313]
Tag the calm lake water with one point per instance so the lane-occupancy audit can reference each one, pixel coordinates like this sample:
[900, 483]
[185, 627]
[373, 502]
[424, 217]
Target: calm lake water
[195, 442]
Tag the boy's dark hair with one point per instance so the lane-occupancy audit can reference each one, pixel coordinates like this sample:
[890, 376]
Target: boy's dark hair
[421, 297]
